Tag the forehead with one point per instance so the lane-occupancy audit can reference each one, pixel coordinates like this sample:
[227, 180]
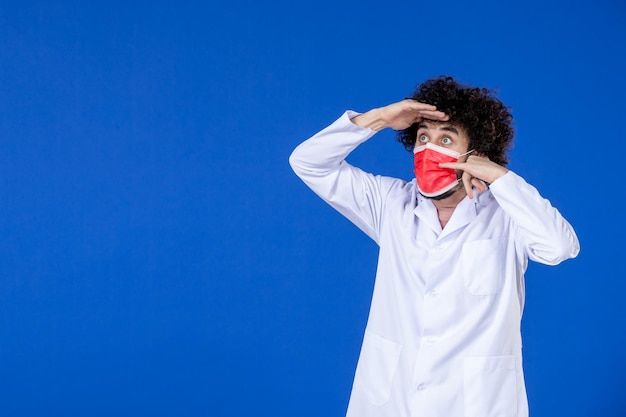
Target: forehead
[441, 125]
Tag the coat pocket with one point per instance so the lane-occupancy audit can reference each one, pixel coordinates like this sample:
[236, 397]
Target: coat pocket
[376, 369]
[484, 266]
[490, 387]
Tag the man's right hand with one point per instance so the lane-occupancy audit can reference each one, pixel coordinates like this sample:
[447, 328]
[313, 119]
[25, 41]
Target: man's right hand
[398, 116]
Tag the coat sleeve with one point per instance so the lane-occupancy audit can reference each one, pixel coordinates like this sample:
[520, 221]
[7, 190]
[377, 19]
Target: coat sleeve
[545, 234]
[320, 163]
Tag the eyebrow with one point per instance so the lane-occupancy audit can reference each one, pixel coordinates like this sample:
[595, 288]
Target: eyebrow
[447, 128]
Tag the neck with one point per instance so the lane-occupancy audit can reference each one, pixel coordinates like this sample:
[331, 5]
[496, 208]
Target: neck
[445, 207]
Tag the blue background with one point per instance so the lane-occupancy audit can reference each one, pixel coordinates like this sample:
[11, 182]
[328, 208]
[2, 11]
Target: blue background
[159, 258]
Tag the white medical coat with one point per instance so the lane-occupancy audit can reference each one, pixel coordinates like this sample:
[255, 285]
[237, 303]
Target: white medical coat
[443, 334]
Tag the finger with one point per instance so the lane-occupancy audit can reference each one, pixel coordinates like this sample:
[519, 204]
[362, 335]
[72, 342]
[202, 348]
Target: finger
[479, 185]
[451, 165]
[428, 111]
[418, 105]
[433, 115]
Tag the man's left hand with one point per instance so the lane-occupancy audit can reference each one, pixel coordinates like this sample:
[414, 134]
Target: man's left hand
[476, 169]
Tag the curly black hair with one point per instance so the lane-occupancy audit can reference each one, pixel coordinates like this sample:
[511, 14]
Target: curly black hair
[485, 118]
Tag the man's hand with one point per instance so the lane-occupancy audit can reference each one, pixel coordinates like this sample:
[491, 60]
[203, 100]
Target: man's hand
[476, 169]
[398, 116]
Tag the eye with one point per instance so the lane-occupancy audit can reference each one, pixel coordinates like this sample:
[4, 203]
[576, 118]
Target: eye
[423, 138]
[446, 141]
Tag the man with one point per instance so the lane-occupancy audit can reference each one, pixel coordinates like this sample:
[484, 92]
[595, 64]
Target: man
[443, 334]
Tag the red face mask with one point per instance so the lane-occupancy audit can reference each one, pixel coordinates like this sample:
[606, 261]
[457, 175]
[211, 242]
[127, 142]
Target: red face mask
[433, 181]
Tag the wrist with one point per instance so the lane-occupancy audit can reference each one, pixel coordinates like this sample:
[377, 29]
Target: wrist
[501, 172]
[370, 120]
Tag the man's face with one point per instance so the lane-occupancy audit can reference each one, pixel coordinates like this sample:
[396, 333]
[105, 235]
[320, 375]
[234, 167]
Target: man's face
[443, 134]
[446, 135]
